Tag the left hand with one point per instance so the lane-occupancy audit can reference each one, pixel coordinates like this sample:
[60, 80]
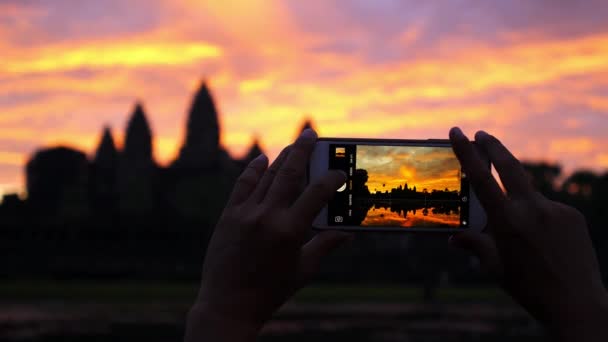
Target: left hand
[258, 256]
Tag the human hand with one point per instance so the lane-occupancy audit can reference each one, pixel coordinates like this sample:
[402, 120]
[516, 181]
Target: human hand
[258, 256]
[539, 249]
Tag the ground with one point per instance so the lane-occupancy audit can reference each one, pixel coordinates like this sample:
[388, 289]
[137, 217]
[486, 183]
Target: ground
[45, 310]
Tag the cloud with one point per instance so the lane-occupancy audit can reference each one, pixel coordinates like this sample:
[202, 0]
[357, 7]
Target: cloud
[104, 55]
[533, 73]
[11, 158]
[424, 167]
[12, 179]
[602, 160]
[29, 23]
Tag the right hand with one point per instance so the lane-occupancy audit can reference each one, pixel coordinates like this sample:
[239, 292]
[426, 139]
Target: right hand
[539, 249]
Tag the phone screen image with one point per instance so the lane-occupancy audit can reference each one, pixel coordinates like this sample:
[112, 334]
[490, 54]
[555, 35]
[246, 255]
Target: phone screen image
[398, 186]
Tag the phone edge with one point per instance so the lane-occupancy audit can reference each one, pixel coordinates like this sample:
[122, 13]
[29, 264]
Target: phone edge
[319, 226]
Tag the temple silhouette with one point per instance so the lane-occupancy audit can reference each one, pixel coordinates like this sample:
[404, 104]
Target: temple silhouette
[401, 199]
[120, 214]
[63, 185]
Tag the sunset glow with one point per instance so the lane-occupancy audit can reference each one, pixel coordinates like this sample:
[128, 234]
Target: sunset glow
[415, 218]
[100, 55]
[533, 73]
[389, 167]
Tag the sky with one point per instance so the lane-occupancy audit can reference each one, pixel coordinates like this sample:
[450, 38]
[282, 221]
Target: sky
[534, 73]
[388, 167]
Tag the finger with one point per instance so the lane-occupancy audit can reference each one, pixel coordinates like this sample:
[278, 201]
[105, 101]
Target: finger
[262, 188]
[316, 249]
[481, 245]
[290, 177]
[316, 195]
[248, 180]
[511, 172]
[486, 188]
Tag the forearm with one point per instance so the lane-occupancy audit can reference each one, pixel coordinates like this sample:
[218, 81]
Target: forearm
[207, 326]
[590, 325]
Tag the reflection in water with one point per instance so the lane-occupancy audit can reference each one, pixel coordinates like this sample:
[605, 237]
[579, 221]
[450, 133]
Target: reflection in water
[410, 214]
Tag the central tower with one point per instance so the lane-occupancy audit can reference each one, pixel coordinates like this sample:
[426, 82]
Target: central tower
[201, 145]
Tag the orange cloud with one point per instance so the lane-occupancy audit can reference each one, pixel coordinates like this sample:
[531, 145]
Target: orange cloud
[422, 167]
[571, 145]
[269, 71]
[254, 85]
[602, 160]
[106, 54]
[11, 158]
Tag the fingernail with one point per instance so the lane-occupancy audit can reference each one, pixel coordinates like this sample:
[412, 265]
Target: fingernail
[482, 134]
[309, 134]
[482, 137]
[456, 132]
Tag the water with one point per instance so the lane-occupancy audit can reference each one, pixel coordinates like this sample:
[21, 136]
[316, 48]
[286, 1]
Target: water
[411, 215]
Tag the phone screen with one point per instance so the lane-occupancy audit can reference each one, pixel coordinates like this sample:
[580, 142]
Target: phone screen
[398, 186]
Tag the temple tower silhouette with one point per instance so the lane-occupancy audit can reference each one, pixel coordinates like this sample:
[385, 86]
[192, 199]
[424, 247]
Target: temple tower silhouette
[138, 139]
[104, 192]
[254, 151]
[106, 155]
[202, 140]
[203, 174]
[137, 169]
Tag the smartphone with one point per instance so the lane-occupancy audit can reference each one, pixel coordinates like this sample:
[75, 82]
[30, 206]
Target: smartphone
[396, 185]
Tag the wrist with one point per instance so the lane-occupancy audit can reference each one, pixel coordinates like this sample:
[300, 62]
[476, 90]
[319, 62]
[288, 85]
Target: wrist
[206, 324]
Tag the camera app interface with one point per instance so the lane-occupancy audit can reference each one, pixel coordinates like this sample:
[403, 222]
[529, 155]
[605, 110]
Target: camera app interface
[398, 186]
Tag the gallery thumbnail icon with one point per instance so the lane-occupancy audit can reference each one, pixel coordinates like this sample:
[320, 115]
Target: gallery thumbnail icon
[340, 152]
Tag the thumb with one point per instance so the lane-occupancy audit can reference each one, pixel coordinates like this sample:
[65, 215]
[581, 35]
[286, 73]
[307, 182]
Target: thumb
[482, 246]
[316, 249]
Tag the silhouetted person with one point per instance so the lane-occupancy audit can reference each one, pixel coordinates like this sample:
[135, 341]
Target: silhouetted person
[361, 196]
[360, 188]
